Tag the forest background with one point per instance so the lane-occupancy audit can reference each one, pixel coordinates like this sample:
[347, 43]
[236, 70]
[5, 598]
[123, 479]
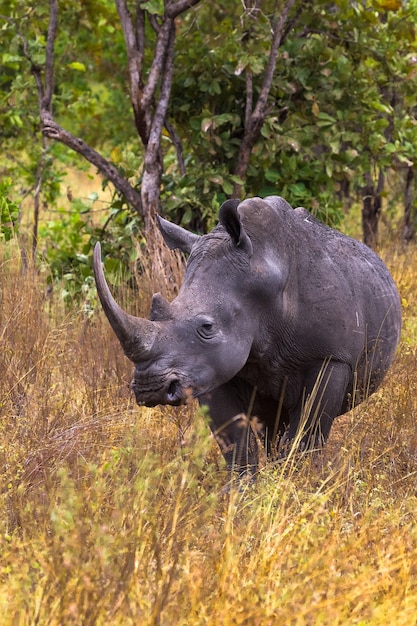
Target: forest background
[109, 112]
[180, 105]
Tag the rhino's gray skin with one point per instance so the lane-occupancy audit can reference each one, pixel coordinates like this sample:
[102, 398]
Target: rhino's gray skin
[275, 309]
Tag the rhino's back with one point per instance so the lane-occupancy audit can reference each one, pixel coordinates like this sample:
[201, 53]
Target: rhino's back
[359, 278]
[340, 296]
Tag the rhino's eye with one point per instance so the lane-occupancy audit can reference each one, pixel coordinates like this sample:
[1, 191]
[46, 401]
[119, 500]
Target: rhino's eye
[206, 329]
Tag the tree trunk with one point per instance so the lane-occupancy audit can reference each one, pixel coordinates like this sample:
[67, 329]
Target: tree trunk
[409, 230]
[153, 166]
[371, 208]
[149, 98]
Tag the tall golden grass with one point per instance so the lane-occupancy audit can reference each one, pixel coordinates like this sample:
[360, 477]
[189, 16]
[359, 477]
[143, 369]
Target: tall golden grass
[114, 514]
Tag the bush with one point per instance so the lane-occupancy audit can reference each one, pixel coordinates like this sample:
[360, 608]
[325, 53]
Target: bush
[9, 210]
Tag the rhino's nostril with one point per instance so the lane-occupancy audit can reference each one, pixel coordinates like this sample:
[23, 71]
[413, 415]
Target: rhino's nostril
[174, 391]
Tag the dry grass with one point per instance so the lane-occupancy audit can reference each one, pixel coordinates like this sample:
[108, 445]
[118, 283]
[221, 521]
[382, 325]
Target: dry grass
[113, 514]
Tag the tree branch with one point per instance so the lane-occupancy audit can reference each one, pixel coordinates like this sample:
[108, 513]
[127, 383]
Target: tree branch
[278, 30]
[158, 62]
[51, 129]
[249, 96]
[153, 158]
[149, 97]
[134, 40]
[131, 40]
[35, 69]
[255, 118]
[176, 141]
[140, 34]
[37, 197]
[154, 22]
[49, 58]
[173, 9]
[165, 89]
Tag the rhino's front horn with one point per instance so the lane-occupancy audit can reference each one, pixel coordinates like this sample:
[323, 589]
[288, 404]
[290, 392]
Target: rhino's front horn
[135, 334]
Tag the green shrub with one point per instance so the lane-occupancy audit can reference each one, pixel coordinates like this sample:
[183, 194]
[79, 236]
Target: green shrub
[9, 210]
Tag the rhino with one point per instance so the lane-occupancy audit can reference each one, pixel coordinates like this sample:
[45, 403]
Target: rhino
[279, 317]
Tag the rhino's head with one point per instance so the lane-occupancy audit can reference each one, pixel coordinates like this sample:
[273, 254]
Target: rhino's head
[204, 337]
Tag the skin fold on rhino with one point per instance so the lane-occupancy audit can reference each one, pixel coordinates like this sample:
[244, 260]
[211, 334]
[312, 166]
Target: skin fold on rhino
[278, 317]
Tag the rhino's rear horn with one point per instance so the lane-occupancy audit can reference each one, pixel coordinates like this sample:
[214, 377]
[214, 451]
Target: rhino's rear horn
[135, 334]
[160, 309]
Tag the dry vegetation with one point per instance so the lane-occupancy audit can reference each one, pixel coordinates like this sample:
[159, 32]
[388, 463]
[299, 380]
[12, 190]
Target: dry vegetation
[114, 514]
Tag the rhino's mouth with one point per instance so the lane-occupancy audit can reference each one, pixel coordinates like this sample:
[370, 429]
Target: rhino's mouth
[171, 391]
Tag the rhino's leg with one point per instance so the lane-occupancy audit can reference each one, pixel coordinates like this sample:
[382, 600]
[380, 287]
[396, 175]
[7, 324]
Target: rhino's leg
[324, 398]
[230, 425]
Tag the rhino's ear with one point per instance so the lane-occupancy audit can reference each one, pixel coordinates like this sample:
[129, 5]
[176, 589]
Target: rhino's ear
[176, 237]
[229, 218]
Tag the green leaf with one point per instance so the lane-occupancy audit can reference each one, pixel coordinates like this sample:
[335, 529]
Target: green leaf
[217, 180]
[111, 265]
[154, 7]
[272, 175]
[298, 190]
[383, 108]
[335, 146]
[78, 66]
[324, 119]
[227, 187]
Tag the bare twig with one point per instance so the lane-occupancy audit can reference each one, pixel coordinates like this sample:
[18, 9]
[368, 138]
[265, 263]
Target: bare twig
[249, 96]
[176, 141]
[37, 196]
[49, 58]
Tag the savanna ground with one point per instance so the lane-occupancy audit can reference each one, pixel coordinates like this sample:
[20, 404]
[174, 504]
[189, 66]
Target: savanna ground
[114, 514]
